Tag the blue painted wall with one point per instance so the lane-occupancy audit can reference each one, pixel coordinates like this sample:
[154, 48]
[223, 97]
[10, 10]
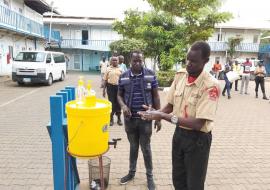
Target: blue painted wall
[89, 59]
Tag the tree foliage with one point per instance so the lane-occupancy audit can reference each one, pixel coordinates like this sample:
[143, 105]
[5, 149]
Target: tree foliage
[232, 43]
[125, 46]
[266, 40]
[168, 30]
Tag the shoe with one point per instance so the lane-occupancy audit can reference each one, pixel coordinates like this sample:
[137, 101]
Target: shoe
[236, 90]
[246, 93]
[223, 94]
[151, 185]
[126, 179]
[265, 98]
[119, 122]
[229, 97]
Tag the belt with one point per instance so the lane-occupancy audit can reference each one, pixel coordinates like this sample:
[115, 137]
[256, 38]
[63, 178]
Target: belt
[109, 84]
[190, 133]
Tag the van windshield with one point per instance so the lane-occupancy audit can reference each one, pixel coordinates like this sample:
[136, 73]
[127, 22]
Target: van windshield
[30, 57]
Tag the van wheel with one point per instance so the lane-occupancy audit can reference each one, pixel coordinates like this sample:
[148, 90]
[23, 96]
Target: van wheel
[62, 76]
[20, 83]
[50, 80]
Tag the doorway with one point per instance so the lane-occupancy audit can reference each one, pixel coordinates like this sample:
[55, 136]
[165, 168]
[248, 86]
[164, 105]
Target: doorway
[84, 37]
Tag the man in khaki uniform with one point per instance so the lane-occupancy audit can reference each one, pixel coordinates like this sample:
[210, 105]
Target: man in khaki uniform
[111, 79]
[192, 104]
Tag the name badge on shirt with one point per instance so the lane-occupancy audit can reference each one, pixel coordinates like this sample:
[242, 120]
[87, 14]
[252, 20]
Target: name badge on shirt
[247, 68]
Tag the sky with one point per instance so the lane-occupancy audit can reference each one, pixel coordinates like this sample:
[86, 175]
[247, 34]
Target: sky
[247, 9]
[98, 8]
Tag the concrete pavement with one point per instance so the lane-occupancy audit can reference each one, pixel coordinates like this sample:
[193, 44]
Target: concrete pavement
[239, 156]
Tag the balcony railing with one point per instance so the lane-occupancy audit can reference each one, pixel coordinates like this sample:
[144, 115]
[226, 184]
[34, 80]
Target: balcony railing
[14, 21]
[101, 45]
[55, 35]
[242, 47]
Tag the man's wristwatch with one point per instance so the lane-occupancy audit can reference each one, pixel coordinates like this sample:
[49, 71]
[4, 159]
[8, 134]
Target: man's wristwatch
[174, 120]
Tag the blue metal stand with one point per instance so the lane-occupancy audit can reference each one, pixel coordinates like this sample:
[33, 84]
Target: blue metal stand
[65, 172]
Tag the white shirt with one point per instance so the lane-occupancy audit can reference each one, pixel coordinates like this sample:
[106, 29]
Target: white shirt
[103, 66]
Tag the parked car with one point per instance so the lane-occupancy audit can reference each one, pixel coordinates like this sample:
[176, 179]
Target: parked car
[38, 67]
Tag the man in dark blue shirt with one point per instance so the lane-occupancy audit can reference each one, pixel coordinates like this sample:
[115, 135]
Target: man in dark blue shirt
[137, 87]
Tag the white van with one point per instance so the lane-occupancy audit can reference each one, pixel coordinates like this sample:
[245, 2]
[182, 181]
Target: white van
[38, 67]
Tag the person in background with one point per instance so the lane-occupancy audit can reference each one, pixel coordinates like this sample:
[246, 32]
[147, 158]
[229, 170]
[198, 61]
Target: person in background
[236, 68]
[111, 79]
[67, 62]
[216, 69]
[103, 67]
[228, 84]
[246, 76]
[122, 65]
[260, 73]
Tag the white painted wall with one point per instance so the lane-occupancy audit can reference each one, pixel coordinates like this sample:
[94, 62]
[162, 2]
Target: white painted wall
[102, 33]
[247, 35]
[94, 32]
[29, 13]
[18, 43]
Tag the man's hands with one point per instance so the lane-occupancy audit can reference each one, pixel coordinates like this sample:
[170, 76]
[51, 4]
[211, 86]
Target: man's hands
[151, 114]
[126, 111]
[157, 126]
[104, 93]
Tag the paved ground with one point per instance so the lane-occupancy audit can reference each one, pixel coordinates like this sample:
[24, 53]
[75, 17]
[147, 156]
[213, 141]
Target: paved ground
[239, 156]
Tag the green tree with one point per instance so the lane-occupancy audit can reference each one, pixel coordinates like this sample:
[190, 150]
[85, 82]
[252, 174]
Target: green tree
[171, 27]
[159, 31]
[198, 17]
[125, 46]
[232, 43]
[266, 40]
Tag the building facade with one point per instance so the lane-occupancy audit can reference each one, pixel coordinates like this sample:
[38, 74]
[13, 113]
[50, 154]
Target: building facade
[21, 28]
[249, 31]
[84, 40]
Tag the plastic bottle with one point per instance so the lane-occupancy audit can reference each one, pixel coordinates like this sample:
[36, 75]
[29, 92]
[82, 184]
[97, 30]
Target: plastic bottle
[90, 98]
[80, 93]
[90, 91]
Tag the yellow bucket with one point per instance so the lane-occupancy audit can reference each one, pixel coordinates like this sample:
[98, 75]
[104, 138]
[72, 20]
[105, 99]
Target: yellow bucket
[88, 123]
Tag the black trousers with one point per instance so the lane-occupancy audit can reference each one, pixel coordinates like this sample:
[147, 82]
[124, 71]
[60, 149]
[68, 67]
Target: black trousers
[139, 133]
[259, 81]
[190, 153]
[112, 96]
[236, 85]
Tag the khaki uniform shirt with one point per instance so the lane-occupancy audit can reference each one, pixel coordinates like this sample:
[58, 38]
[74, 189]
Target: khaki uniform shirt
[112, 75]
[198, 99]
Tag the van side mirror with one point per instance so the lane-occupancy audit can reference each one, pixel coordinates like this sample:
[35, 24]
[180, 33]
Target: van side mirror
[48, 60]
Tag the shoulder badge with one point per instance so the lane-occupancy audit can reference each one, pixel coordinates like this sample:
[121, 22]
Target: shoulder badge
[213, 93]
